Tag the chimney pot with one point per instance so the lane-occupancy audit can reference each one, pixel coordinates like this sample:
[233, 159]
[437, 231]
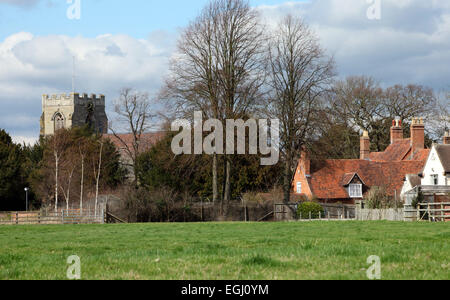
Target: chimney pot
[365, 146]
[396, 131]
[447, 138]
[417, 135]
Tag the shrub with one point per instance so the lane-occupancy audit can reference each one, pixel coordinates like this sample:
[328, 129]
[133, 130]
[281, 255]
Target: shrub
[377, 198]
[419, 199]
[304, 209]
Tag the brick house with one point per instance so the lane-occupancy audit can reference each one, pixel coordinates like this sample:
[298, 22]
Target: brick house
[347, 181]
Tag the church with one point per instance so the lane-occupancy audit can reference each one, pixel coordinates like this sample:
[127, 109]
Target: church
[73, 110]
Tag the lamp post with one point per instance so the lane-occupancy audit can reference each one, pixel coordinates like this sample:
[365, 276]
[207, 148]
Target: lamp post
[26, 198]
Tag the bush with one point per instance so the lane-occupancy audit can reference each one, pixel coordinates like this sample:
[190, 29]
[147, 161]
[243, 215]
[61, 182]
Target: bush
[304, 209]
[377, 198]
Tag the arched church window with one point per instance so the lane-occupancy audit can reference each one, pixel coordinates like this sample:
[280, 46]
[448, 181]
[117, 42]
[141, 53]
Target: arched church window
[59, 122]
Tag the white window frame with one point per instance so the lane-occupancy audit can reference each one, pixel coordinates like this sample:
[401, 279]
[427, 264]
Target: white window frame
[435, 179]
[351, 191]
[299, 187]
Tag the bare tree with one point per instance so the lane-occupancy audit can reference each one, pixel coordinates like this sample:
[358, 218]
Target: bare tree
[82, 150]
[192, 85]
[134, 111]
[238, 47]
[97, 171]
[362, 104]
[218, 69]
[59, 143]
[300, 72]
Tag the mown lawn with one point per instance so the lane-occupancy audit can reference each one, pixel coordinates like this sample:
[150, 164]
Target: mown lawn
[318, 250]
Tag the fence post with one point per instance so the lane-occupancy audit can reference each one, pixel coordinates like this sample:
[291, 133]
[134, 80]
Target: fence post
[310, 216]
[17, 218]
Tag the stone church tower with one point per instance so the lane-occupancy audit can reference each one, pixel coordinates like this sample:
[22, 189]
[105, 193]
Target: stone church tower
[67, 111]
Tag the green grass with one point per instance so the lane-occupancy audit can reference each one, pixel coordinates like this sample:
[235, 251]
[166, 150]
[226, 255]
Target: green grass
[317, 250]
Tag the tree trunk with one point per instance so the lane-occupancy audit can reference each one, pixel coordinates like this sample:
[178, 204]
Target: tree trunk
[227, 196]
[98, 177]
[56, 181]
[82, 183]
[214, 183]
[287, 181]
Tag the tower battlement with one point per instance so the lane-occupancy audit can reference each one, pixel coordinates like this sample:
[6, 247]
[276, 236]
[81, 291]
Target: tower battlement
[74, 109]
[72, 99]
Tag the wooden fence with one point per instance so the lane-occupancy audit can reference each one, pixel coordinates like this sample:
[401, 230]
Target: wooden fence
[391, 214]
[432, 212]
[71, 216]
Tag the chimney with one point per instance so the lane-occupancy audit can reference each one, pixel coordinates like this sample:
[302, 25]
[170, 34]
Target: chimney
[365, 146]
[305, 163]
[417, 135]
[447, 138]
[396, 131]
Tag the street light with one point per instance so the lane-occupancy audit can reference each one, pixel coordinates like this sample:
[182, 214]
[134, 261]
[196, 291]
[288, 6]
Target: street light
[26, 193]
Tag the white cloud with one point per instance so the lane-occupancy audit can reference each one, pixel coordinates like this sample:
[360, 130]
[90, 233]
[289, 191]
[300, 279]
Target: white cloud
[36, 65]
[410, 44]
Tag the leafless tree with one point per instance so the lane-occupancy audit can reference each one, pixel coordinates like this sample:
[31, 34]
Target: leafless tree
[59, 143]
[134, 111]
[97, 168]
[362, 104]
[192, 85]
[218, 69]
[300, 72]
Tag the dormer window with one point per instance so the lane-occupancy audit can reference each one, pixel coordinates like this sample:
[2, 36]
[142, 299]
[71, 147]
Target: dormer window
[355, 190]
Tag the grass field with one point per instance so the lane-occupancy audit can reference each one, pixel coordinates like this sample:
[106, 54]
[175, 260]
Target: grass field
[317, 250]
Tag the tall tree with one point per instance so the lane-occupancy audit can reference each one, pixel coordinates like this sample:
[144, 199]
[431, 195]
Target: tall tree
[361, 103]
[11, 186]
[134, 111]
[218, 69]
[300, 72]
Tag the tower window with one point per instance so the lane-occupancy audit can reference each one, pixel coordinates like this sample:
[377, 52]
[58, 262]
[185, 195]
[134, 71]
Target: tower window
[59, 122]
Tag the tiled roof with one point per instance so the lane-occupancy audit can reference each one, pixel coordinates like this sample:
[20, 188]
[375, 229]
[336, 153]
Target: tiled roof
[395, 152]
[326, 180]
[444, 155]
[147, 140]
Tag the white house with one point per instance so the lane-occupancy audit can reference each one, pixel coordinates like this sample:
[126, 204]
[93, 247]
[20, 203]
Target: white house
[437, 168]
[435, 177]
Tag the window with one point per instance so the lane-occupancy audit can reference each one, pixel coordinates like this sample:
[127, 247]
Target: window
[59, 122]
[355, 190]
[434, 179]
[299, 187]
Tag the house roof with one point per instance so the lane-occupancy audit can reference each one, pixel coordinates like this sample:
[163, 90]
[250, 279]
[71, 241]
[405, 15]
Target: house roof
[348, 178]
[147, 140]
[327, 177]
[395, 152]
[443, 152]
[414, 179]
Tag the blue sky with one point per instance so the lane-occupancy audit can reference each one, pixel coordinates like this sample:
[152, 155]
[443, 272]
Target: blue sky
[133, 17]
[129, 44]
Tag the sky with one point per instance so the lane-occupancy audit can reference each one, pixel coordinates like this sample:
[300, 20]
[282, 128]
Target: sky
[129, 43]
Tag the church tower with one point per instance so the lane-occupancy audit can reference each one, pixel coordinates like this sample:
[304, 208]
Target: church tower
[73, 110]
